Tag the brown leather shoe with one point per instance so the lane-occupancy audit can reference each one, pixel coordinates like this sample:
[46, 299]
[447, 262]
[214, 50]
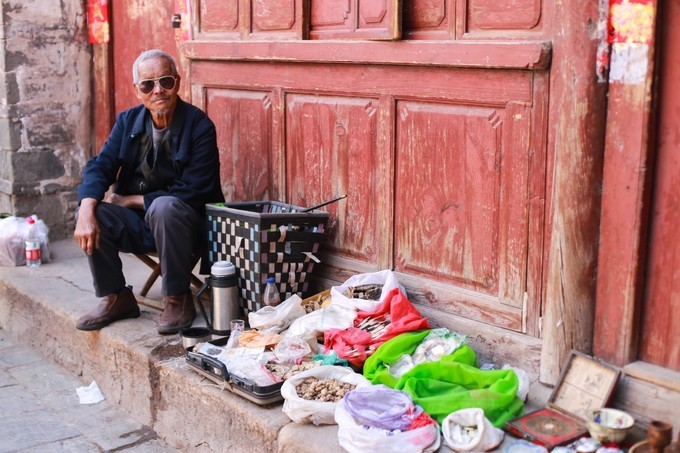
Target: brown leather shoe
[178, 314]
[115, 306]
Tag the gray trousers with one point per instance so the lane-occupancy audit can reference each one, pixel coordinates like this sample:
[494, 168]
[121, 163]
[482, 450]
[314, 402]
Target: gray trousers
[170, 227]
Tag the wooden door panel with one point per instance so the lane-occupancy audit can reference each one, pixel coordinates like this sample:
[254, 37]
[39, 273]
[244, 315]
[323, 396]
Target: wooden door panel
[446, 219]
[268, 15]
[365, 19]
[331, 150]
[515, 203]
[503, 15]
[473, 86]
[429, 19]
[661, 311]
[250, 19]
[217, 18]
[278, 19]
[462, 196]
[243, 120]
[437, 174]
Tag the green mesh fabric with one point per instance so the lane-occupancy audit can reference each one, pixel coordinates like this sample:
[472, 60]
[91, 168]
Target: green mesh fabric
[452, 383]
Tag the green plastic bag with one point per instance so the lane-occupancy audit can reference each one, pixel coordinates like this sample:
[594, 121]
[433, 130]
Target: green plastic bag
[452, 383]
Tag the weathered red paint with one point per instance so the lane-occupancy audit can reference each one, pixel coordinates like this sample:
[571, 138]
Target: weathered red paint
[577, 103]
[448, 137]
[661, 312]
[374, 19]
[400, 125]
[103, 90]
[532, 55]
[138, 18]
[625, 208]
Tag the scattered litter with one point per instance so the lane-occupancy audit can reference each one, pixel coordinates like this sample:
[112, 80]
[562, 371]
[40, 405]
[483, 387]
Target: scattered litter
[523, 446]
[90, 394]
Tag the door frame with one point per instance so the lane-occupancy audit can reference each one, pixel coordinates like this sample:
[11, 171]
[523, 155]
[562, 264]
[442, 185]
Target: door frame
[630, 142]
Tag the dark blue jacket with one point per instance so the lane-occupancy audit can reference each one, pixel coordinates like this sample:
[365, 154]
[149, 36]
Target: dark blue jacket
[196, 158]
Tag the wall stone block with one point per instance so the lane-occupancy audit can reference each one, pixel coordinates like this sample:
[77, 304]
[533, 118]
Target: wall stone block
[36, 166]
[10, 134]
[10, 90]
[45, 96]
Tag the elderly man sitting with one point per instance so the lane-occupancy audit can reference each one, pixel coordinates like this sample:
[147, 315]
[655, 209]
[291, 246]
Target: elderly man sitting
[162, 157]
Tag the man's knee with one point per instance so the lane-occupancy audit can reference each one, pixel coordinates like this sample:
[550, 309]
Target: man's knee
[162, 208]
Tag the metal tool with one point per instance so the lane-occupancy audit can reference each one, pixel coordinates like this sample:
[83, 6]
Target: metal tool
[325, 203]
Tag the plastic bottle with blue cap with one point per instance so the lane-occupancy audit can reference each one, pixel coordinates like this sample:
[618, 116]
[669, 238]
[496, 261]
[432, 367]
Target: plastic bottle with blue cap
[271, 295]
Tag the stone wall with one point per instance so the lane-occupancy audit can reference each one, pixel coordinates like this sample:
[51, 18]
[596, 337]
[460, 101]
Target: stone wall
[45, 108]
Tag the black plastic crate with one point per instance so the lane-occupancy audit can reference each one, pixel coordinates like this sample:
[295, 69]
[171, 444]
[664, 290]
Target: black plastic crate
[265, 239]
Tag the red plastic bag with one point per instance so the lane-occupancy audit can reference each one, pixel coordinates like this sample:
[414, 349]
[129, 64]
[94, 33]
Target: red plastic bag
[395, 315]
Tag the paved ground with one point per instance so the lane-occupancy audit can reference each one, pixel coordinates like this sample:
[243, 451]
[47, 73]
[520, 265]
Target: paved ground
[40, 410]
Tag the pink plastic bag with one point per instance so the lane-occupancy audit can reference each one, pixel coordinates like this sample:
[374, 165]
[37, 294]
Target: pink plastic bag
[355, 345]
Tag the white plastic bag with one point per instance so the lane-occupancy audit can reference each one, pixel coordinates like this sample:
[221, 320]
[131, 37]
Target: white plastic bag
[523, 378]
[301, 410]
[13, 233]
[386, 278]
[355, 438]
[470, 430]
[278, 318]
[291, 350]
[321, 320]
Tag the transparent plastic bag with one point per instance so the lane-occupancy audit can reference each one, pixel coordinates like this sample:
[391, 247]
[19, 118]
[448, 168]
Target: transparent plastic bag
[13, 233]
[386, 278]
[322, 320]
[292, 349]
[524, 381]
[277, 318]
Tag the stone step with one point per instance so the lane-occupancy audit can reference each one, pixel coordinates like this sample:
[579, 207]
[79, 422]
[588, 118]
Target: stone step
[138, 370]
[144, 373]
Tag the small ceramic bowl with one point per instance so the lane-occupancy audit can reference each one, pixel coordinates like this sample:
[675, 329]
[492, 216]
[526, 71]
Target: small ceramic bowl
[609, 425]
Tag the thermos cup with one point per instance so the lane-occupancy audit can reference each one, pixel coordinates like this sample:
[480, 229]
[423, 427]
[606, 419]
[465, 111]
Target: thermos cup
[224, 297]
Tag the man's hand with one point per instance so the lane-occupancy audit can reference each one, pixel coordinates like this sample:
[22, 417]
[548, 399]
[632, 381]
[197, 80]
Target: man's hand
[86, 233]
[126, 201]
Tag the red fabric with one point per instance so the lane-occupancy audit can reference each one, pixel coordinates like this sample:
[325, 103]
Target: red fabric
[421, 420]
[355, 345]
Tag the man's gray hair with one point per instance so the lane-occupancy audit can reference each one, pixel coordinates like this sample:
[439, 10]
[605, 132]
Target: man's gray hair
[148, 55]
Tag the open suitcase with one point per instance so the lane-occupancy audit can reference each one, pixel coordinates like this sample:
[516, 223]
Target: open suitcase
[217, 372]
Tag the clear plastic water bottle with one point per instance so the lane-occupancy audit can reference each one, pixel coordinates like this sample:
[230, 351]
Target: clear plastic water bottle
[32, 244]
[271, 293]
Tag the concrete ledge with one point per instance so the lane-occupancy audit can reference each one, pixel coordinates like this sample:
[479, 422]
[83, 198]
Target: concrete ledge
[138, 370]
[145, 373]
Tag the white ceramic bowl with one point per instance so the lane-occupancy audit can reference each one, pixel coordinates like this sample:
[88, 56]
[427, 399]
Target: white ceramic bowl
[609, 425]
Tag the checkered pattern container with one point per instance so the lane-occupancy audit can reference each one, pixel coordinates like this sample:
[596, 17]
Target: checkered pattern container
[265, 239]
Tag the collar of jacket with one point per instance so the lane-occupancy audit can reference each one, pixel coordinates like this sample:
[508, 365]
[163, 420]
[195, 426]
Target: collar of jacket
[139, 126]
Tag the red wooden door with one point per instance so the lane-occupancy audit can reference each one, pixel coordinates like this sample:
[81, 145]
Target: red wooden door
[438, 139]
[138, 26]
[660, 342]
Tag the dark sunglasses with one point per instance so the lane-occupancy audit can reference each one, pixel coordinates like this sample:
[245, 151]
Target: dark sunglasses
[166, 82]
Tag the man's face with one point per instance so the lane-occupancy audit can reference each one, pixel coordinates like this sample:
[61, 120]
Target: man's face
[160, 102]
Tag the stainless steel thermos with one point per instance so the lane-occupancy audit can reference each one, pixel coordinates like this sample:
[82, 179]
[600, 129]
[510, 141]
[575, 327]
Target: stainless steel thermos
[224, 297]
